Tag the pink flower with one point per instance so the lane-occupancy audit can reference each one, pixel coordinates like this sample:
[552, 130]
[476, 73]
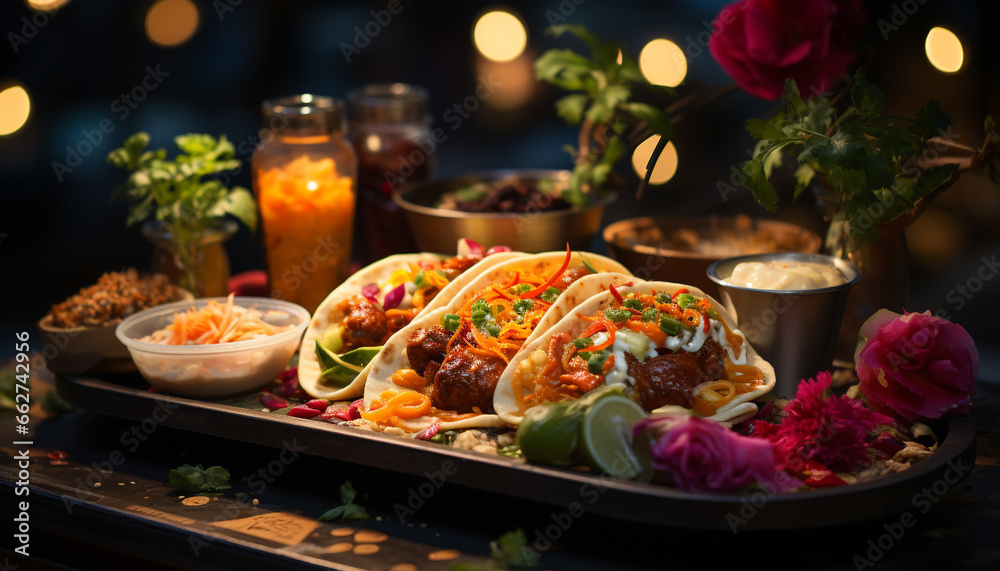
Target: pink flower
[917, 366]
[760, 43]
[700, 455]
[831, 431]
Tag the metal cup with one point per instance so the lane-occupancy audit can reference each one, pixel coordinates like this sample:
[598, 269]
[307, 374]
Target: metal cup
[794, 330]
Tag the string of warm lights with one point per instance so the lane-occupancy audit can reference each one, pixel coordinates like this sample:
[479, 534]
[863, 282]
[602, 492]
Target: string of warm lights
[499, 36]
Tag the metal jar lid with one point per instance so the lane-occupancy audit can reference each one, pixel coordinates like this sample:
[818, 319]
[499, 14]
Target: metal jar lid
[388, 103]
[304, 114]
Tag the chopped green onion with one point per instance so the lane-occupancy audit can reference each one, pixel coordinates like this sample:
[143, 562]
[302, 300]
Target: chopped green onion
[521, 306]
[617, 315]
[596, 363]
[589, 266]
[713, 313]
[669, 325]
[650, 314]
[662, 297]
[519, 289]
[492, 327]
[685, 300]
[633, 303]
[420, 280]
[583, 342]
[550, 294]
[450, 321]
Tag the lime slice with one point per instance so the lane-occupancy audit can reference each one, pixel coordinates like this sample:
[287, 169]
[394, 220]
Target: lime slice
[549, 434]
[606, 438]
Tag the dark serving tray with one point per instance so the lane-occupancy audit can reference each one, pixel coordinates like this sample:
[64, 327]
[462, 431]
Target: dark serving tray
[621, 499]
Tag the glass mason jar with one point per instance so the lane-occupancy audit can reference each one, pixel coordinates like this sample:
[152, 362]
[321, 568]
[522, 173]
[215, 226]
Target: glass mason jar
[304, 177]
[391, 133]
[204, 270]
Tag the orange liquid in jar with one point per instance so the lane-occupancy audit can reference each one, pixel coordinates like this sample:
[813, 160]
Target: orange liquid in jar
[307, 212]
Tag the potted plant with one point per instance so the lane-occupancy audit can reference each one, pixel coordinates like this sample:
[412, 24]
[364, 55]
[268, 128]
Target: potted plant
[184, 206]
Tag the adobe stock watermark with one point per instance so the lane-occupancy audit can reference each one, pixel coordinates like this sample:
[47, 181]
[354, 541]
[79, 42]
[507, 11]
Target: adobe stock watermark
[922, 503]
[960, 295]
[122, 106]
[364, 35]
[30, 28]
[131, 439]
[900, 15]
[258, 480]
[298, 274]
[418, 496]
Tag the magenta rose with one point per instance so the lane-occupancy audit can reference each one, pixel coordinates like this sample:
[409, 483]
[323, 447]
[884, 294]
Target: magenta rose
[916, 366]
[700, 455]
[760, 43]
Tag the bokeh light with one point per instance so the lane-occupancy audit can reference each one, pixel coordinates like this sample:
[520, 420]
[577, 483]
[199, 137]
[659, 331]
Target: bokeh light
[944, 50]
[46, 5]
[170, 23]
[15, 106]
[500, 36]
[666, 163]
[662, 62]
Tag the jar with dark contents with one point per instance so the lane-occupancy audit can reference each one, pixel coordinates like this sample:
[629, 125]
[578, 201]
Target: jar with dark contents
[390, 127]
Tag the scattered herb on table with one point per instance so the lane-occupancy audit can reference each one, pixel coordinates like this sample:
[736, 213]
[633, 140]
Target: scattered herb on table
[197, 479]
[511, 550]
[349, 510]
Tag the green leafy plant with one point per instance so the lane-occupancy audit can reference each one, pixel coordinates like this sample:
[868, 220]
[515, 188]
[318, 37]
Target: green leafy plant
[602, 87]
[875, 165]
[349, 509]
[181, 193]
[197, 479]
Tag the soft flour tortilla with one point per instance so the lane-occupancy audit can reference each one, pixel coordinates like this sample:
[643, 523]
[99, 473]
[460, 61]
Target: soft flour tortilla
[737, 409]
[393, 357]
[310, 370]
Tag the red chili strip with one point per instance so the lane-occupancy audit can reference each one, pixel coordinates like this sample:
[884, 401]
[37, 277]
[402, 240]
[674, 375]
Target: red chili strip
[614, 292]
[538, 290]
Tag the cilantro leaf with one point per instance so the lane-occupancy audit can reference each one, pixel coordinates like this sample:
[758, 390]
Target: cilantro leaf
[931, 120]
[198, 479]
[760, 129]
[867, 98]
[511, 550]
[349, 510]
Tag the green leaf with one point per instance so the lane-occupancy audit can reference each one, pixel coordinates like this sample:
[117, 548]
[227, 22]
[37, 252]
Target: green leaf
[844, 149]
[196, 478]
[564, 68]
[931, 121]
[990, 124]
[605, 53]
[349, 510]
[655, 118]
[511, 550]
[760, 129]
[240, 203]
[571, 107]
[347, 492]
[867, 98]
[803, 177]
[763, 191]
[877, 171]
[931, 179]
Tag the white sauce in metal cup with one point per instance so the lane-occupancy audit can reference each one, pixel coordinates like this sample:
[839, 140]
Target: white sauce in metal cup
[785, 275]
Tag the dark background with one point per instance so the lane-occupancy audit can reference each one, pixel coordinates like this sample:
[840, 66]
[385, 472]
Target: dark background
[58, 236]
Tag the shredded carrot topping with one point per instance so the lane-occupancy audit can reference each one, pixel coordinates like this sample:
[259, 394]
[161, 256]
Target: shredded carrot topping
[214, 323]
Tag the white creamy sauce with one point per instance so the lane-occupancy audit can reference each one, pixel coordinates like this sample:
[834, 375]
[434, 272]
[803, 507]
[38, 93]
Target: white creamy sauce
[687, 340]
[785, 275]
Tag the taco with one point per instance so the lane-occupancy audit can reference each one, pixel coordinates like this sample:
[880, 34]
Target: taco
[351, 324]
[445, 365]
[664, 344]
